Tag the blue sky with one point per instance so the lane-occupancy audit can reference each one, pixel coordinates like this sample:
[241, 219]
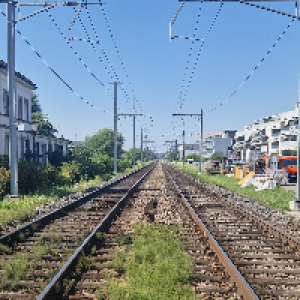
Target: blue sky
[155, 67]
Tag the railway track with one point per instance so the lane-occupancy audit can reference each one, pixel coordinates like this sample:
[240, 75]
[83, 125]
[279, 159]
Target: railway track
[85, 275]
[266, 256]
[31, 255]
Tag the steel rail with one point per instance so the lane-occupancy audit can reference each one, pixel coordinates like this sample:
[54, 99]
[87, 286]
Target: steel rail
[263, 224]
[243, 287]
[52, 290]
[29, 228]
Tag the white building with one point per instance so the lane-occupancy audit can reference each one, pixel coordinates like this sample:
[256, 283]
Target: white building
[30, 143]
[218, 143]
[271, 134]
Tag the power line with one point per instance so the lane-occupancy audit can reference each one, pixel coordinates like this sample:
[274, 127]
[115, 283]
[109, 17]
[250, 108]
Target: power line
[256, 67]
[102, 50]
[118, 53]
[74, 51]
[200, 50]
[51, 69]
[189, 56]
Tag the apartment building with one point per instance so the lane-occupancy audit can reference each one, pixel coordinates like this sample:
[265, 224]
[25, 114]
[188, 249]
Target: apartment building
[218, 143]
[29, 142]
[271, 134]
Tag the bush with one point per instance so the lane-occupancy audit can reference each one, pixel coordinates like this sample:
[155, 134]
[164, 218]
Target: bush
[123, 164]
[4, 182]
[70, 173]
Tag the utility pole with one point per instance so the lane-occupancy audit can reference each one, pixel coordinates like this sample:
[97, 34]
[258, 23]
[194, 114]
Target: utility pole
[142, 146]
[11, 21]
[132, 115]
[200, 118]
[13, 155]
[201, 141]
[116, 126]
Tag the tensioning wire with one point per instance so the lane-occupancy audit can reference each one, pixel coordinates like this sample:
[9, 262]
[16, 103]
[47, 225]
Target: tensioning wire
[256, 67]
[96, 35]
[189, 56]
[51, 69]
[118, 52]
[200, 50]
[103, 52]
[74, 51]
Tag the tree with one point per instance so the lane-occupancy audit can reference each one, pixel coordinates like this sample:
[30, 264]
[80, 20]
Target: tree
[129, 154]
[44, 126]
[102, 142]
[217, 156]
[35, 105]
[171, 156]
[193, 156]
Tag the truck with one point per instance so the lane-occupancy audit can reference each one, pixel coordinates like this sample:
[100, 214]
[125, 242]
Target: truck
[288, 163]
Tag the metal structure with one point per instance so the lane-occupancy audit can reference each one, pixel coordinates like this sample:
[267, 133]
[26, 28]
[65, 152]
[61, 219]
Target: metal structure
[294, 16]
[200, 118]
[11, 21]
[132, 115]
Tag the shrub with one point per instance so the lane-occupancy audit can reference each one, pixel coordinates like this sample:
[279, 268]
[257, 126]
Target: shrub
[4, 182]
[70, 173]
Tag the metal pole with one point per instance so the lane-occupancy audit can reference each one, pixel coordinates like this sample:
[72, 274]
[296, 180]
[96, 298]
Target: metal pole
[146, 154]
[298, 148]
[142, 146]
[201, 139]
[183, 146]
[176, 151]
[115, 128]
[13, 155]
[134, 140]
[298, 137]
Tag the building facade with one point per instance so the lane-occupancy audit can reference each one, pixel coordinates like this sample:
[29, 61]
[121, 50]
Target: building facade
[218, 143]
[29, 142]
[271, 134]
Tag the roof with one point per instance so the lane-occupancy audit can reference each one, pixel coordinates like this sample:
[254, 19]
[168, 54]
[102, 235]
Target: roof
[3, 65]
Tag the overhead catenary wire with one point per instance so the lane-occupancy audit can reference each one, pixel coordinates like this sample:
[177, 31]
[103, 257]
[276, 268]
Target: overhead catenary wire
[256, 67]
[50, 68]
[119, 55]
[74, 51]
[189, 56]
[115, 77]
[200, 50]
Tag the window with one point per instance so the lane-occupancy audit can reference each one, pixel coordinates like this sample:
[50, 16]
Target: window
[6, 145]
[5, 103]
[20, 108]
[22, 148]
[26, 110]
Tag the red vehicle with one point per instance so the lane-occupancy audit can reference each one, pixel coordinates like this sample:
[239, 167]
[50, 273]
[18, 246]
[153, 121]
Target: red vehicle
[288, 163]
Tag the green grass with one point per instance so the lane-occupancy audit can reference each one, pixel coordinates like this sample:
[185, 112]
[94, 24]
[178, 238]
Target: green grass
[155, 266]
[157, 177]
[11, 210]
[22, 265]
[277, 198]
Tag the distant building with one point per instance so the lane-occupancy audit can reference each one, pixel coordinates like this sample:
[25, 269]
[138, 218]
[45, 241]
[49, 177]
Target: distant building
[210, 145]
[271, 134]
[217, 143]
[29, 142]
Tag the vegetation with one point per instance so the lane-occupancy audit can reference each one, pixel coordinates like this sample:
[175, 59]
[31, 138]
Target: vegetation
[129, 154]
[289, 152]
[20, 209]
[217, 156]
[277, 198]
[155, 266]
[44, 126]
[22, 265]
